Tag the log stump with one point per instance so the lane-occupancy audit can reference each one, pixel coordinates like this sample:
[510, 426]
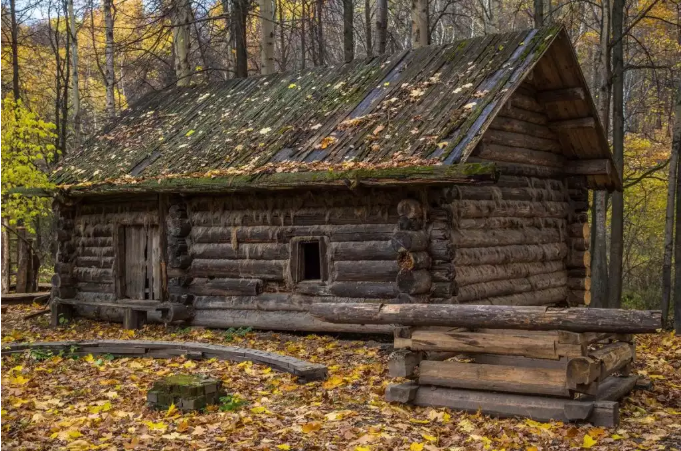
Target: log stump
[187, 392]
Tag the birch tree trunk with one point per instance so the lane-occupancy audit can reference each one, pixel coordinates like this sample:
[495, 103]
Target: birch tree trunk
[617, 212]
[419, 23]
[599, 257]
[266, 37]
[109, 72]
[181, 16]
[75, 90]
[669, 216]
[14, 32]
[381, 25]
[320, 31]
[348, 35]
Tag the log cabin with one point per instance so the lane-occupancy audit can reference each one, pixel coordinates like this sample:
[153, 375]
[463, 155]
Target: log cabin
[447, 174]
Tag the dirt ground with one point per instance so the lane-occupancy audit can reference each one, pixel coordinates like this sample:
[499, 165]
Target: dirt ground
[59, 402]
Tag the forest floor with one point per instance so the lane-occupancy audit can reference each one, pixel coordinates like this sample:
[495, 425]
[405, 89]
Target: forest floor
[53, 402]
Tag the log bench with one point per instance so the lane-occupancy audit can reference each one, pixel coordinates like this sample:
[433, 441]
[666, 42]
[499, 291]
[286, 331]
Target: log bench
[134, 311]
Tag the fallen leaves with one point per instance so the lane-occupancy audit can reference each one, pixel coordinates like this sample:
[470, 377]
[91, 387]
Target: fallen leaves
[105, 402]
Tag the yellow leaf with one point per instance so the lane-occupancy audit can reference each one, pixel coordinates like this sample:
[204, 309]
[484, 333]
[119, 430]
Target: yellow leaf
[430, 438]
[292, 86]
[333, 382]
[171, 410]
[160, 426]
[531, 448]
[616, 437]
[311, 427]
[412, 420]
[362, 448]
[19, 380]
[284, 447]
[416, 447]
[466, 425]
[588, 441]
[189, 364]
[446, 418]
[89, 358]
[182, 426]
[259, 409]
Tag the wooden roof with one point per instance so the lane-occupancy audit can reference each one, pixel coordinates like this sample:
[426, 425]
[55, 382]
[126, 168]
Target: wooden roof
[419, 108]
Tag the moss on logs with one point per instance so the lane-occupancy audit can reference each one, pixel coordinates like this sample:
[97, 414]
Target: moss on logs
[468, 173]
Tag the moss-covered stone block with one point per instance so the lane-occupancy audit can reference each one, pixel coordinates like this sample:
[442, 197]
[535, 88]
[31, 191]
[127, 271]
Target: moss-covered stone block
[187, 392]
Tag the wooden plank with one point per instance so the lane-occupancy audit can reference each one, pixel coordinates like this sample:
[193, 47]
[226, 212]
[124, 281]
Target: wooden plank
[155, 252]
[583, 122]
[589, 167]
[561, 95]
[505, 405]
[512, 343]
[477, 376]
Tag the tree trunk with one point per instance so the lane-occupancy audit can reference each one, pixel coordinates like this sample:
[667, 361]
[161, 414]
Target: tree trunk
[109, 73]
[419, 23]
[669, 216]
[617, 212]
[6, 259]
[348, 35]
[320, 32]
[538, 13]
[75, 90]
[15, 52]
[282, 38]
[491, 317]
[240, 15]
[599, 262]
[381, 25]
[367, 20]
[181, 18]
[676, 147]
[266, 37]
[302, 35]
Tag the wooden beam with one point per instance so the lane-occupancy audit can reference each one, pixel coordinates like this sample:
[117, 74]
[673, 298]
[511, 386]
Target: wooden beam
[561, 95]
[477, 376]
[589, 167]
[568, 124]
[492, 317]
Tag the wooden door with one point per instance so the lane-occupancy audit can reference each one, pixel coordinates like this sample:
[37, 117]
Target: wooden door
[141, 263]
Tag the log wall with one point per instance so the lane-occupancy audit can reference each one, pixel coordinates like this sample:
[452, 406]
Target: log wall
[525, 240]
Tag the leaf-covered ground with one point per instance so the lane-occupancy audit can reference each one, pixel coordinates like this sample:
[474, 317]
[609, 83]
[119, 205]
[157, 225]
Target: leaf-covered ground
[57, 402]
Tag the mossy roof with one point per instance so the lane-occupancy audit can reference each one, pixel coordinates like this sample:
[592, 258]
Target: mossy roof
[422, 107]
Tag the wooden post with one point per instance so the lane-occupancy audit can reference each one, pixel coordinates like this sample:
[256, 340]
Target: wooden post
[23, 261]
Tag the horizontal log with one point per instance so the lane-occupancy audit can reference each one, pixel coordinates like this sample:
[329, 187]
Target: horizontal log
[95, 262]
[379, 290]
[93, 275]
[510, 254]
[91, 287]
[149, 217]
[86, 242]
[442, 250]
[246, 251]
[509, 223]
[578, 297]
[366, 232]
[93, 231]
[550, 296]
[509, 124]
[578, 259]
[379, 214]
[522, 209]
[404, 240]
[529, 344]
[515, 112]
[599, 364]
[589, 167]
[571, 124]
[410, 208]
[522, 170]
[271, 302]
[414, 282]
[363, 250]
[522, 141]
[467, 275]
[414, 260]
[96, 251]
[494, 317]
[496, 193]
[505, 287]
[278, 320]
[253, 269]
[562, 95]
[505, 405]
[509, 379]
[368, 271]
[444, 290]
[467, 238]
[225, 287]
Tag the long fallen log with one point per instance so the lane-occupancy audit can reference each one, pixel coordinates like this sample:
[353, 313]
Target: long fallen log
[493, 317]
